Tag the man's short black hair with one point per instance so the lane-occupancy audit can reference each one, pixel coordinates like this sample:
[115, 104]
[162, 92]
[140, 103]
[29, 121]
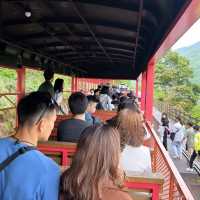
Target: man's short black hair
[196, 128]
[92, 98]
[105, 90]
[48, 74]
[78, 103]
[123, 98]
[33, 107]
[96, 90]
[190, 124]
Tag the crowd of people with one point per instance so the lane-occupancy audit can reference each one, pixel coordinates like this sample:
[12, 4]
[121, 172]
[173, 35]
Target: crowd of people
[105, 150]
[179, 137]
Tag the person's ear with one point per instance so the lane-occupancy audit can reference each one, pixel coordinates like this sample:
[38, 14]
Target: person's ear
[41, 126]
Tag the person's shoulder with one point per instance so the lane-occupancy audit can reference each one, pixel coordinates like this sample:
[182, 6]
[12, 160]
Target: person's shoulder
[80, 122]
[123, 195]
[88, 115]
[141, 149]
[41, 86]
[74, 122]
[115, 193]
[46, 163]
[6, 143]
[5, 140]
[178, 125]
[112, 121]
[145, 149]
[65, 122]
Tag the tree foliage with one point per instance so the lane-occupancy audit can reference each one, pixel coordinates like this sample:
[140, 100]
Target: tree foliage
[173, 81]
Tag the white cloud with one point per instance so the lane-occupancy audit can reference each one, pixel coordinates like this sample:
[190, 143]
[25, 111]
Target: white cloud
[190, 37]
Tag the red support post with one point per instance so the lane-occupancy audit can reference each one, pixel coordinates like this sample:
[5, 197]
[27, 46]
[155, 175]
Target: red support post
[143, 91]
[73, 84]
[77, 84]
[20, 87]
[136, 87]
[149, 91]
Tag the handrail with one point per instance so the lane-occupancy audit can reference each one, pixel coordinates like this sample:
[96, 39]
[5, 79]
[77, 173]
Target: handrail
[5, 95]
[175, 183]
[9, 94]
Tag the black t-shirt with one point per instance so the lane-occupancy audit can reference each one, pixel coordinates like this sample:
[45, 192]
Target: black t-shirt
[70, 130]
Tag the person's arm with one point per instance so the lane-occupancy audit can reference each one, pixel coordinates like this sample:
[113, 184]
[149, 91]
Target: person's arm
[51, 91]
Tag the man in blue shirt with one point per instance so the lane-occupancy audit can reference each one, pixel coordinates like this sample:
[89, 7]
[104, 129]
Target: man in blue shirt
[91, 108]
[30, 175]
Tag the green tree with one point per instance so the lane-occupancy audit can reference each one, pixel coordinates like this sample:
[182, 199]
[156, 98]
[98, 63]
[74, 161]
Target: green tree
[173, 81]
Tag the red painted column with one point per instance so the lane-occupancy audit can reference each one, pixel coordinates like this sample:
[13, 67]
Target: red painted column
[143, 91]
[72, 84]
[20, 87]
[150, 91]
[75, 84]
[136, 87]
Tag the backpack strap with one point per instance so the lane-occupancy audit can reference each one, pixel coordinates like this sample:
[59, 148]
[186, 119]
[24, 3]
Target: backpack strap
[12, 157]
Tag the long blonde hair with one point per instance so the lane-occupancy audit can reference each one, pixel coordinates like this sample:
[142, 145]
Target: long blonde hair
[95, 163]
[130, 126]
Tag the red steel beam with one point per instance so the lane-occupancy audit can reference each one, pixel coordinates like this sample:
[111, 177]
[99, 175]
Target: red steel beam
[136, 87]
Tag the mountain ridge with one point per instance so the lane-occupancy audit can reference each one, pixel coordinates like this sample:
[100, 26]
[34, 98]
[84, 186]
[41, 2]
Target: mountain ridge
[192, 53]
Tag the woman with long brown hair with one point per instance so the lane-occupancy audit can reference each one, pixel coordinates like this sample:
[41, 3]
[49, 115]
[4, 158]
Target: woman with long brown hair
[95, 167]
[135, 157]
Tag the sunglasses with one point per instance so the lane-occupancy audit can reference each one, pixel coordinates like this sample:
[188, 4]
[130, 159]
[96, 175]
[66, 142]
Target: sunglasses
[49, 104]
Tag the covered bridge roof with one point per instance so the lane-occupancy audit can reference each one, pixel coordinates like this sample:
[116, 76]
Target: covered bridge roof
[89, 38]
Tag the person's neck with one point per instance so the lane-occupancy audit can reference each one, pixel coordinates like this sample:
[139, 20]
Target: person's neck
[80, 116]
[88, 111]
[48, 81]
[27, 136]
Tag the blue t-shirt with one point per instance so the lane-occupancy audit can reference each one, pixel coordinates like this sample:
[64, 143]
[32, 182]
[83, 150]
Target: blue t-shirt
[91, 119]
[31, 176]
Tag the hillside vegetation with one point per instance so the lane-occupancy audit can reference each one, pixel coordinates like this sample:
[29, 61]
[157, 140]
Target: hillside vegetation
[173, 84]
[192, 53]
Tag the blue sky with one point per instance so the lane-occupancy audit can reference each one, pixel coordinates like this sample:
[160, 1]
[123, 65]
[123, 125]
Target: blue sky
[190, 37]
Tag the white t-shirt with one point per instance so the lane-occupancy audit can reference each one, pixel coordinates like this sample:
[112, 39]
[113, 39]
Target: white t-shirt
[136, 159]
[58, 97]
[106, 102]
[178, 129]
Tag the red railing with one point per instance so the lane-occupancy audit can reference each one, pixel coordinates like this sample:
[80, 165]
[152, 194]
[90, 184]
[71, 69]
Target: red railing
[64, 150]
[7, 113]
[174, 187]
[9, 101]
